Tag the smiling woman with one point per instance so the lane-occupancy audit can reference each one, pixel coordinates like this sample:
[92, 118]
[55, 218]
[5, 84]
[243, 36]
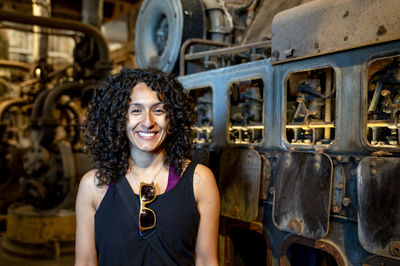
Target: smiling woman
[146, 203]
[147, 121]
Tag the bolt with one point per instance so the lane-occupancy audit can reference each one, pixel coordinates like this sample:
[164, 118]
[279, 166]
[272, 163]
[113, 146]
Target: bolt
[394, 248]
[346, 202]
[373, 163]
[295, 225]
[340, 186]
[373, 171]
[235, 211]
[288, 53]
[340, 158]
[271, 190]
[336, 209]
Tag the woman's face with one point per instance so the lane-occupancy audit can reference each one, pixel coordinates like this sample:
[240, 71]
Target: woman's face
[147, 123]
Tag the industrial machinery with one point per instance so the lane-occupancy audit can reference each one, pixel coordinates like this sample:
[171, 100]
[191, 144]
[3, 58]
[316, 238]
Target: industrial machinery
[42, 158]
[298, 118]
[298, 105]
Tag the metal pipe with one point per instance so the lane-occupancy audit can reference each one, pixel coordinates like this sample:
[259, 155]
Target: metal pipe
[311, 125]
[328, 102]
[47, 123]
[37, 108]
[4, 44]
[40, 8]
[92, 12]
[217, 21]
[51, 100]
[382, 123]
[58, 23]
[15, 64]
[376, 97]
[229, 50]
[4, 105]
[190, 42]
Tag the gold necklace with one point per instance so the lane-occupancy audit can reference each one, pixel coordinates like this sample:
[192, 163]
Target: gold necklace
[138, 180]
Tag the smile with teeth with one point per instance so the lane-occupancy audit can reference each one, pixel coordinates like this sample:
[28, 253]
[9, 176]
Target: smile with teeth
[146, 134]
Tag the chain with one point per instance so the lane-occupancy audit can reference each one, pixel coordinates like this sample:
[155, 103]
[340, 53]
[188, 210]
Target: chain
[137, 178]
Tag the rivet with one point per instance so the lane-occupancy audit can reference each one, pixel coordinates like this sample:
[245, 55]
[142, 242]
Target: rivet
[346, 202]
[336, 209]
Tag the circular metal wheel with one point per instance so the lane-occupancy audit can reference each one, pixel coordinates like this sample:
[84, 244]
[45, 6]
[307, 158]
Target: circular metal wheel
[161, 28]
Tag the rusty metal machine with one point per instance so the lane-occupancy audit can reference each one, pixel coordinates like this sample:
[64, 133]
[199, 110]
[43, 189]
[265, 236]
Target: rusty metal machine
[298, 107]
[42, 158]
[298, 119]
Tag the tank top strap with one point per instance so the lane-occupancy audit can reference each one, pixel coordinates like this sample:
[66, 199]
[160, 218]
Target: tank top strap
[173, 178]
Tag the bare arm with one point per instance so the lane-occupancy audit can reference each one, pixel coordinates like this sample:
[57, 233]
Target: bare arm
[208, 204]
[85, 250]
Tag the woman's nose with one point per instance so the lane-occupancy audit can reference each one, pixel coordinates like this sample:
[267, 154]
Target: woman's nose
[148, 120]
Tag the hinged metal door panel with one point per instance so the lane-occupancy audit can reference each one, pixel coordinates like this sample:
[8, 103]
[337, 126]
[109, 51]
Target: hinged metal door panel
[239, 183]
[302, 194]
[378, 192]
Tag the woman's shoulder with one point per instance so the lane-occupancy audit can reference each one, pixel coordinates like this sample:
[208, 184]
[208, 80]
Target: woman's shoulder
[203, 176]
[89, 180]
[89, 186]
[203, 171]
[204, 183]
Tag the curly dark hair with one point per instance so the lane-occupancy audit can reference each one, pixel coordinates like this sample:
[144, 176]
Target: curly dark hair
[104, 125]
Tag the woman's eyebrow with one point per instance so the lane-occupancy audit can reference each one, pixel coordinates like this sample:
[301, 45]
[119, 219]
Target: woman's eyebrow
[141, 105]
[158, 104]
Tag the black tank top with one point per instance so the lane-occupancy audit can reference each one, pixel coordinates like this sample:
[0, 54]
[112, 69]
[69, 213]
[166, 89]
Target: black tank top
[117, 237]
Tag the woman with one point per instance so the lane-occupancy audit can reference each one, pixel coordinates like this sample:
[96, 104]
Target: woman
[138, 131]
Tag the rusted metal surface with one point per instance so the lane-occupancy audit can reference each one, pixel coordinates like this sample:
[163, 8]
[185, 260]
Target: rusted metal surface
[378, 182]
[303, 193]
[325, 26]
[323, 245]
[265, 177]
[379, 260]
[250, 251]
[239, 183]
[339, 188]
[27, 225]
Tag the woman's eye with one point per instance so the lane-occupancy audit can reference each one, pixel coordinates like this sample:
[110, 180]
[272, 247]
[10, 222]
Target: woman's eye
[135, 111]
[159, 111]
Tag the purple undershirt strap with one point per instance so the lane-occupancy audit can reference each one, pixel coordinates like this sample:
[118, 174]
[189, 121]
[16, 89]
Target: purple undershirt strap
[172, 179]
[110, 185]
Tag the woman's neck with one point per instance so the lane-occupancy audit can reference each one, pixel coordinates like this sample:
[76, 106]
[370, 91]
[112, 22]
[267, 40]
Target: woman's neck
[141, 159]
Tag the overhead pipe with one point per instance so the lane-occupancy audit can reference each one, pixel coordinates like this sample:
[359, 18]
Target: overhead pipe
[92, 12]
[58, 23]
